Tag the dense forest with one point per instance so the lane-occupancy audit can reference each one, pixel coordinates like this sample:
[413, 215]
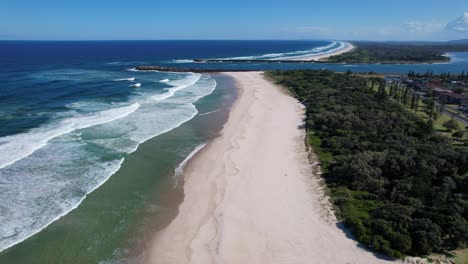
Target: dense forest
[374, 52]
[401, 188]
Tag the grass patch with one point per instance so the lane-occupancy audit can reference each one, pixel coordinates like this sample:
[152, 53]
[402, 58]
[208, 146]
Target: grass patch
[461, 256]
[354, 204]
[325, 158]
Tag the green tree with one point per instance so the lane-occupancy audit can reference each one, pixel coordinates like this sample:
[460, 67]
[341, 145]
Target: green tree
[458, 135]
[459, 90]
[416, 106]
[441, 108]
[398, 186]
[451, 125]
[413, 101]
[435, 112]
[405, 96]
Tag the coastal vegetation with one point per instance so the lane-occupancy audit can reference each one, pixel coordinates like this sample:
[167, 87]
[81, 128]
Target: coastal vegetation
[400, 187]
[438, 99]
[387, 52]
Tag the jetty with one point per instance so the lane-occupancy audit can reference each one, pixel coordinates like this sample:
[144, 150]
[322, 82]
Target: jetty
[178, 69]
[255, 61]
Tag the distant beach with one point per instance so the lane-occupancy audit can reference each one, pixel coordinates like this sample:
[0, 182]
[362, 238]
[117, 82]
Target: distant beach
[251, 196]
[316, 54]
[343, 48]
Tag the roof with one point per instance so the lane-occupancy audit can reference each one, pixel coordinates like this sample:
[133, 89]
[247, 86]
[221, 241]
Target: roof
[454, 95]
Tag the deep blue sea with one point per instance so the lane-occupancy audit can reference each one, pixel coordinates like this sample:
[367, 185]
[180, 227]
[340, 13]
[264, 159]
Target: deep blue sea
[71, 112]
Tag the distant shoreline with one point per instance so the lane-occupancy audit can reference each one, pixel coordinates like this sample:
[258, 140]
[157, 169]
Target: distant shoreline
[323, 58]
[316, 58]
[347, 47]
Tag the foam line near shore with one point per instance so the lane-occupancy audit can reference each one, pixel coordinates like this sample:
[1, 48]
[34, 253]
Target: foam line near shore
[342, 48]
[179, 171]
[109, 133]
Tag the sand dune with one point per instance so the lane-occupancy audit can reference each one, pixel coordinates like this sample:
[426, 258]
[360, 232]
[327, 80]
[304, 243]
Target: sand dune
[251, 195]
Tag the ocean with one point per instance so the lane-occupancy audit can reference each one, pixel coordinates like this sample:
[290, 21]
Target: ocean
[92, 151]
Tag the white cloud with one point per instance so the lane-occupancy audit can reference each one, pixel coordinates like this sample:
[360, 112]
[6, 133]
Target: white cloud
[435, 30]
[459, 25]
[415, 27]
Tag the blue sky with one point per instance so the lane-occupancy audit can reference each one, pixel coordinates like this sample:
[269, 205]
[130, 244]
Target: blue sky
[236, 19]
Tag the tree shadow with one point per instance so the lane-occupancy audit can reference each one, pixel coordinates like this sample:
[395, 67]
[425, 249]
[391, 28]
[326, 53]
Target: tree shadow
[349, 235]
[301, 126]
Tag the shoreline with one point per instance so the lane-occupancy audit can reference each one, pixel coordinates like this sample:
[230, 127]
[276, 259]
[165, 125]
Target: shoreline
[251, 196]
[136, 201]
[348, 47]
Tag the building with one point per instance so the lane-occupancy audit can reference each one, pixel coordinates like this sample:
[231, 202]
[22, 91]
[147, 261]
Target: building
[452, 98]
[393, 78]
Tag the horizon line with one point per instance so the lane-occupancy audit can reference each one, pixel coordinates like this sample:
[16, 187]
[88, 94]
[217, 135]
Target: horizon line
[272, 39]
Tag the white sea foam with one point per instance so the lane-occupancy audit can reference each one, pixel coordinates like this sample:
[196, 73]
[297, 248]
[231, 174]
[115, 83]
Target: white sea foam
[288, 55]
[183, 61]
[124, 62]
[80, 75]
[136, 85]
[19, 146]
[180, 169]
[178, 85]
[317, 51]
[210, 112]
[52, 168]
[37, 221]
[164, 81]
[125, 79]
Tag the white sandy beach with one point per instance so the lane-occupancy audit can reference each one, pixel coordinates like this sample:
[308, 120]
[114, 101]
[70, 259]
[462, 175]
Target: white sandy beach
[347, 47]
[251, 195]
